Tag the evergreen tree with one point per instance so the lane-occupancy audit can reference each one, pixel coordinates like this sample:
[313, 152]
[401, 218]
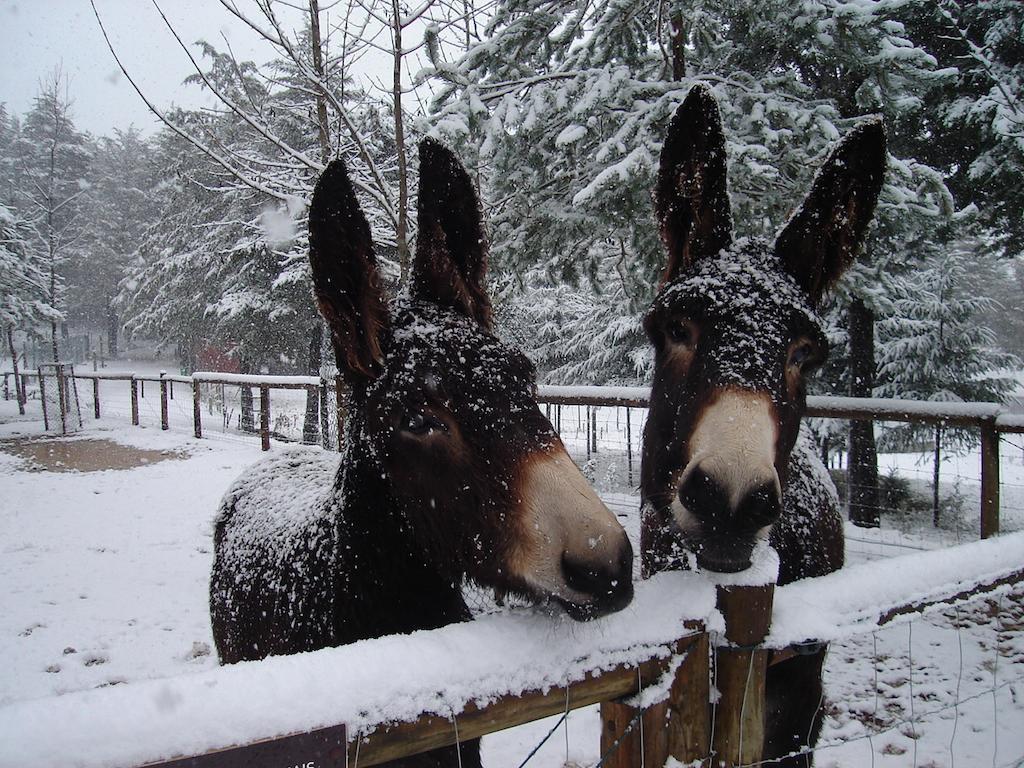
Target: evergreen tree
[49, 184]
[24, 303]
[934, 349]
[120, 208]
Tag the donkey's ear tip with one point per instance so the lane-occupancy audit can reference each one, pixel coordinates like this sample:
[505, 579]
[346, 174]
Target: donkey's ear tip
[333, 179]
[698, 108]
[433, 151]
[700, 98]
[868, 133]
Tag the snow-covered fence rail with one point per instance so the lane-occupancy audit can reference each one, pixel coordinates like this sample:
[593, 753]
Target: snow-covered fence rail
[327, 393]
[991, 421]
[378, 700]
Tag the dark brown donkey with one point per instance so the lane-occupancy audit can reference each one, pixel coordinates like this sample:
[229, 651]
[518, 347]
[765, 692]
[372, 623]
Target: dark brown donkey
[450, 470]
[736, 335]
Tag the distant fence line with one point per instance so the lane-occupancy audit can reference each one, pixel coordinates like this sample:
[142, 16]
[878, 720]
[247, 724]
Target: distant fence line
[990, 419]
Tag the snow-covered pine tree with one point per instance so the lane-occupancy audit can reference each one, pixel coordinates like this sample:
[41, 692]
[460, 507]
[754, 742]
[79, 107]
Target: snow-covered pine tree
[932, 346]
[121, 207]
[49, 184]
[980, 113]
[24, 297]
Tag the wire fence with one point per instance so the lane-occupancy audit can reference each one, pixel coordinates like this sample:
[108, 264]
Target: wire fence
[602, 429]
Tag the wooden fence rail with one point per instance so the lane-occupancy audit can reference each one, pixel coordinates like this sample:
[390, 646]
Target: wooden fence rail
[653, 707]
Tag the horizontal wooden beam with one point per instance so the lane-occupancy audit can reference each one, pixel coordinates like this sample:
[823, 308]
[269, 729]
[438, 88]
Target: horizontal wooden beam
[432, 732]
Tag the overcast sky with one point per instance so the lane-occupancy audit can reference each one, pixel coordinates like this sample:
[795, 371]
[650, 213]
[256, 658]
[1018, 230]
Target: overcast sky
[37, 35]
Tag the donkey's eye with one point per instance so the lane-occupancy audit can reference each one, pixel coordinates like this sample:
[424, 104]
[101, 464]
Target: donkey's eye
[801, 354]
[683, 332]
[423, 424]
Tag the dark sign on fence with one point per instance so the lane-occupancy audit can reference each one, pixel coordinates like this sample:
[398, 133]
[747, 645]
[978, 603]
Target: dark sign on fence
[323, 748]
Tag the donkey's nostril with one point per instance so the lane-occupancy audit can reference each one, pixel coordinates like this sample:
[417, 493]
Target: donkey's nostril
[610, 584]
[761, 506]
[703, 497]
[588, 578]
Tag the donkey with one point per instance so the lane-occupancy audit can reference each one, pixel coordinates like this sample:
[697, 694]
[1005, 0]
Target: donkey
[736, 336]
[450, 471]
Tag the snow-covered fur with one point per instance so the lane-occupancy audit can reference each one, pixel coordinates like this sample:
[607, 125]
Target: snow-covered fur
[450, 472]
[736, 335]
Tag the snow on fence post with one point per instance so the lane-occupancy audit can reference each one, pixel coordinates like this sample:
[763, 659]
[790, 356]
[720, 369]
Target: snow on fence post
[197, 411]
[989, 480]
[164, 420]
[135, 400]
[96, 397]
[740, 670]
[265, 416]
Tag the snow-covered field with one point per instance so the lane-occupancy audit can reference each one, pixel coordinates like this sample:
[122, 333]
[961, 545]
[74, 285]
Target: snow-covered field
[105, 582]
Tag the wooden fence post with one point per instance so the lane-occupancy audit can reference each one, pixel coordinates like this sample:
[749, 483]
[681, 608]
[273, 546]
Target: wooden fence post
[7, 391]
[629, 448]
[42, 400]
[593, 427]
[678, 726]
[164, 420]
[339, 400]
[197, 411]
[740, 668]
[135, 401]
[62, 399]
[325, 426]
[265, 416]
[586, 431]
[96, 398]
[989, 481]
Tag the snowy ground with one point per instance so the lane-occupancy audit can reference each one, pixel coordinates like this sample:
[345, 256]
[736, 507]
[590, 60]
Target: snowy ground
[105, 578]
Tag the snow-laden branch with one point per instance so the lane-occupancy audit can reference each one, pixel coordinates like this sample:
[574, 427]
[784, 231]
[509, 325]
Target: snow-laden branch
[178, 130]
[262, 128]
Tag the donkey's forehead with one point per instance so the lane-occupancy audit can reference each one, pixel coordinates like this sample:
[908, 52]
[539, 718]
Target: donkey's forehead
[748, 304]
[436, 349]
[744, 279]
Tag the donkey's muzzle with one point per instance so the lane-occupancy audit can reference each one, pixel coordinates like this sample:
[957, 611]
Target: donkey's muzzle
[722, 528]
[608, 585]
[720, 513]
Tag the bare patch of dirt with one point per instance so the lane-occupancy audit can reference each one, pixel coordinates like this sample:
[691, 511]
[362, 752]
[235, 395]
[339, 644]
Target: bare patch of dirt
[90, 455]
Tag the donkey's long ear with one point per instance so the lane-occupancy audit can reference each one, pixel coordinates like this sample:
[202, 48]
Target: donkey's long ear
[821, 239]
[451, 247]
[345, 278]
[690, 197]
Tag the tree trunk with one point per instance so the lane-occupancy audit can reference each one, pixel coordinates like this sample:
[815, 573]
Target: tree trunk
[111, 331]
[401, 233]
[863, 460]
[19, 390]
[935, 476]
[311, 424]
[677, 43]
[318, 67]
